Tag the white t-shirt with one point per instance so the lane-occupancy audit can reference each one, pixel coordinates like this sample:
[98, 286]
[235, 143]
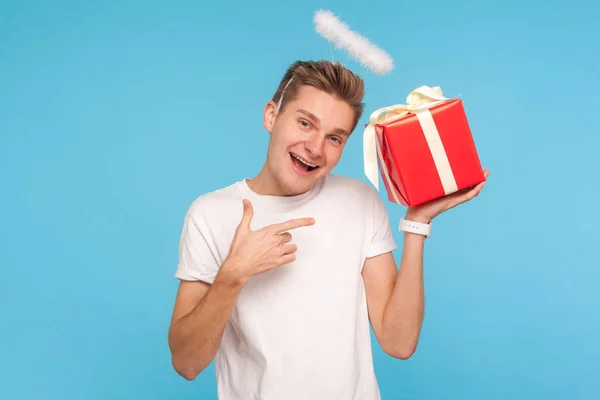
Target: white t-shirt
[300, 331]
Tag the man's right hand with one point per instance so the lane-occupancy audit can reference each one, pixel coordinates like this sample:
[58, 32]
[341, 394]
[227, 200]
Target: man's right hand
[254, 252]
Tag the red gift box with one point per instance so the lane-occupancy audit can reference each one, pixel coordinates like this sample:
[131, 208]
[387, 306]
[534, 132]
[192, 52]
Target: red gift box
[424, 149]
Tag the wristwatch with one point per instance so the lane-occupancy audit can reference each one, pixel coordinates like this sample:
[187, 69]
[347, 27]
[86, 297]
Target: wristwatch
[415, 227]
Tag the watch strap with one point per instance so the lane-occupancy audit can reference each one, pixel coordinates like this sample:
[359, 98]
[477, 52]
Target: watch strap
[415, 227]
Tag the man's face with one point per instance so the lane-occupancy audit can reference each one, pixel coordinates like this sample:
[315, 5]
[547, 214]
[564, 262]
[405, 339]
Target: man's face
[307, 138]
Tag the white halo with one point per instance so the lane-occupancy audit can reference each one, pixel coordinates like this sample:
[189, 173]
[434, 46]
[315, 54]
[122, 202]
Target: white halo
[359, 47]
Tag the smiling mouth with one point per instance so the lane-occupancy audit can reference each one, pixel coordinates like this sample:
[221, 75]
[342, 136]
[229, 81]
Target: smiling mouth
[302, 163]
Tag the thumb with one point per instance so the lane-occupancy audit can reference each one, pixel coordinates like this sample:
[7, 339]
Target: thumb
[248, 214]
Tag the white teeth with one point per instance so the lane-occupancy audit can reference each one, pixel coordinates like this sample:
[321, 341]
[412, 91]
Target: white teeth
[303, 161]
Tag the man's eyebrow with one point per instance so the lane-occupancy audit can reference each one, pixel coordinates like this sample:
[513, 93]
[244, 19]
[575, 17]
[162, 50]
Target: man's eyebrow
[341, 131]
[310, 115]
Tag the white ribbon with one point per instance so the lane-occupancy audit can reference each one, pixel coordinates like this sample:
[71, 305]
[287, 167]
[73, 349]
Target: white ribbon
[418, 102]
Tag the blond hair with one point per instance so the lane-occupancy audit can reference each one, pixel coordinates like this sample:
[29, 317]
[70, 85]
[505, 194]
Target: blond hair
[330, 77]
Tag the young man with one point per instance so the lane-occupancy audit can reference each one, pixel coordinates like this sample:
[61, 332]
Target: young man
[281, 274]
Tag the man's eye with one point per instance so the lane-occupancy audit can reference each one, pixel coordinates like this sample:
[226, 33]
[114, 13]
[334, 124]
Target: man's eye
[305, 124]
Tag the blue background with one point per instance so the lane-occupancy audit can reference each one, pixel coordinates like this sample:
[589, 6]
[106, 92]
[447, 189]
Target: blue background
[115, 116]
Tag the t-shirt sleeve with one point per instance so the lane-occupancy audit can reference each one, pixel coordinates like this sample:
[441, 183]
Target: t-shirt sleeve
[382, 240]
[197, 250]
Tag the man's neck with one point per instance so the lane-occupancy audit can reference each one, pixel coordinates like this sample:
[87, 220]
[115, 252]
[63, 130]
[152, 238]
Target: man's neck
[265, 184]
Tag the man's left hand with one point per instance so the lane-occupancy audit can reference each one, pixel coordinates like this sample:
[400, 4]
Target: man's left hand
[428, 211]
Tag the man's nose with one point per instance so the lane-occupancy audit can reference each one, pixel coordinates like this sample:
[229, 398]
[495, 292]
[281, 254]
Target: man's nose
[314, 145]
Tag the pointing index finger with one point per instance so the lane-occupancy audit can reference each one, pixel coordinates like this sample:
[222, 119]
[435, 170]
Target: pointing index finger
[293, 224]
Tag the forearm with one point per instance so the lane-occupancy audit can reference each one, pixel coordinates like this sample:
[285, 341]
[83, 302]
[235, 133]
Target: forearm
[195, 338]
[403, 315]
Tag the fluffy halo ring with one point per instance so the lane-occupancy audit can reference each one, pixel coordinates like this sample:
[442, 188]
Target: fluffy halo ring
[357, 46]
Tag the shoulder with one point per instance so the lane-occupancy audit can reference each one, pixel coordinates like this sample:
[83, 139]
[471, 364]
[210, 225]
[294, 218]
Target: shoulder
[355, 196]
[214, 204]
[351, 188]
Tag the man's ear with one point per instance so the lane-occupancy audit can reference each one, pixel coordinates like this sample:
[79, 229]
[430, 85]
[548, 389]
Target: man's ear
[269, 115]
